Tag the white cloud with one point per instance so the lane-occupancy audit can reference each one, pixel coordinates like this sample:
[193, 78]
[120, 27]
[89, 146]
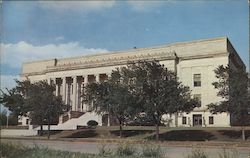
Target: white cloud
[85, 6]
[14, 55]
[145, 5]
[59, 38]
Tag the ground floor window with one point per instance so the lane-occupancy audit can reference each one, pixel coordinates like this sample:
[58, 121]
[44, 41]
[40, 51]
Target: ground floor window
[27, 121]
[211, 120]
[184, 120]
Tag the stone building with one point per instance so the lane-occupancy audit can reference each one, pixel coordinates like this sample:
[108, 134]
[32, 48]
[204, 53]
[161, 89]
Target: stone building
[193, 62]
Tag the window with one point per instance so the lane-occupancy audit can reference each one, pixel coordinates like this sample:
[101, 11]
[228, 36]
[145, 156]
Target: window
[198, 97]
[27, 121]
[211, 120]
[197, 80]
[184, 120]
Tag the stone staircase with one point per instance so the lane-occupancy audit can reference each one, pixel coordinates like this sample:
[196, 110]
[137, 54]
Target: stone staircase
[71, 124]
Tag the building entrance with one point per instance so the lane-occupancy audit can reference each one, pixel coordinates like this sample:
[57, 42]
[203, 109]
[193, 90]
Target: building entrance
[197, 120]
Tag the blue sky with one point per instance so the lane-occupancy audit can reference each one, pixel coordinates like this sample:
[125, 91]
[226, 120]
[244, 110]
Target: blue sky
[40, 30]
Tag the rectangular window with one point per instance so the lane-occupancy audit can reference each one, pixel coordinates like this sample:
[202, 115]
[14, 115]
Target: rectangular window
[184, 120]
[197, 80]
[211, 120]
[27, 121]
[198, 97]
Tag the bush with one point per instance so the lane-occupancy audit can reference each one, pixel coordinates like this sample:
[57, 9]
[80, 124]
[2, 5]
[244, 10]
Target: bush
[92, 123]
[197, 153]
[226, 154]
[150, 150]
[125, 150]
[104, 151]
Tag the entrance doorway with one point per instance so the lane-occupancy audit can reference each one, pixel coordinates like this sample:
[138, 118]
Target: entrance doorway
[197, 120]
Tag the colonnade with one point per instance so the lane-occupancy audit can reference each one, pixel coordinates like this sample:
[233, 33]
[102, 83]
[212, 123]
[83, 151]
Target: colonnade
[71, 89]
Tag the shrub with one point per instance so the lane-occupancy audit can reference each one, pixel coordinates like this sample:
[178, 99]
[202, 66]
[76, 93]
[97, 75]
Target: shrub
[226, 154]
[197, 153]
[92, 123]
[151, 151]
[104, 151]
[125, 150]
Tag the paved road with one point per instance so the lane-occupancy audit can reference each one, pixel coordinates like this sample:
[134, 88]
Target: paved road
[93, 147]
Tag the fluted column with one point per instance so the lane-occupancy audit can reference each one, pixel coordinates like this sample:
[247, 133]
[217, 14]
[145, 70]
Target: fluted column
[85, 106]
[53, 81]
[97, 78]
[56, 84]
[74, 100]
[48, 81]
[64, 89]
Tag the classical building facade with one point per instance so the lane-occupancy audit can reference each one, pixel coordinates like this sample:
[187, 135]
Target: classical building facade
[193, 62]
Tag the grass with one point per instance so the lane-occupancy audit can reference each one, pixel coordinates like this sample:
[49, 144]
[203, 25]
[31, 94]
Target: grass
[197, 153]
[14, 151]
[122, 151]
[15, 127]
[151, 150]
[166, 134]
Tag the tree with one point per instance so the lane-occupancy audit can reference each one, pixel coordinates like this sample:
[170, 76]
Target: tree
[112, 97]
[45, 105]
[232, 88]
[3, 118]
[35, 99]
[13, 99]
[143, 87]
[159, 91]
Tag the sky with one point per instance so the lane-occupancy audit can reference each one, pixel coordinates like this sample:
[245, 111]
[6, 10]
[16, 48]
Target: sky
[35, 30]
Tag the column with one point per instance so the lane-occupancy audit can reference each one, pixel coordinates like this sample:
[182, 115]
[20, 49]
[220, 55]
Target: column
[74, 100]
[48, 80]
[109, 75]
[97, 78]
[56, 84]
[85, 84]
[64, 89]
[54, 80]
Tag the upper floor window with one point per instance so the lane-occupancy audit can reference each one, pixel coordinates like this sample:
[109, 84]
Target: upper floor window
[197, 80]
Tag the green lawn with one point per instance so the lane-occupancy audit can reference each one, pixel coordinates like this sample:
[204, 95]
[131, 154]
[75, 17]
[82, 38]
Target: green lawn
[166, 134]
[19, 151]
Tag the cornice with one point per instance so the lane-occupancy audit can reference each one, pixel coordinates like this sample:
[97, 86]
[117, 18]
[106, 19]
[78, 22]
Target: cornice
[121, 60]
[105, 62]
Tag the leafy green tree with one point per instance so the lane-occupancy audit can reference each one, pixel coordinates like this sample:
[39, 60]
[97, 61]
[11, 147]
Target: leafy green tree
[145, 86]
[45, 105]
[232, 88]
[159, 91]
[13, 99]
[3, 118]
[112, 97]
[35, 99]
